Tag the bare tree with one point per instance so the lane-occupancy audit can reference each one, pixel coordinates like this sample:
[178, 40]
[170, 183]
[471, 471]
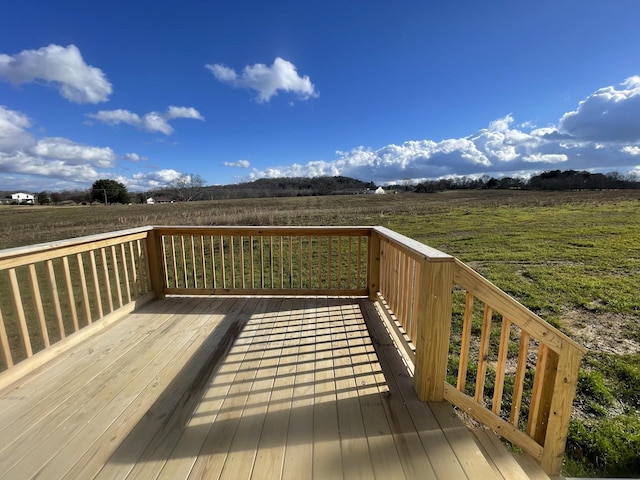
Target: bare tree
[187, 187]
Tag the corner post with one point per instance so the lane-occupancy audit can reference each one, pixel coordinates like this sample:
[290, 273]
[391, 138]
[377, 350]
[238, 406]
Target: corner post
[156, 263]
[564, 391]
[373, 270]
[435, 301]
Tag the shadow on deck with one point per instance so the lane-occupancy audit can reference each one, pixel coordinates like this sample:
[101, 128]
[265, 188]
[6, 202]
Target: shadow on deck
[242, 387]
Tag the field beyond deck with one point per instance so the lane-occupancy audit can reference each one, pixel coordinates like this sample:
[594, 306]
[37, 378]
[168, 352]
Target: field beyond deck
[218, 387]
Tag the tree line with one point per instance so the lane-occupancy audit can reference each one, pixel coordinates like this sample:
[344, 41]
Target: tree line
[190, 187]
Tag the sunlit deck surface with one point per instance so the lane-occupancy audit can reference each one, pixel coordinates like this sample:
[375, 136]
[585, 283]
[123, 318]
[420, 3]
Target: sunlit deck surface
[235, 388]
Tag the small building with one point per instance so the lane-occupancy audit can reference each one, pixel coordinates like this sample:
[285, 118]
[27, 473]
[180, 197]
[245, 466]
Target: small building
[150, 201]
[380, 191]
[22, 198]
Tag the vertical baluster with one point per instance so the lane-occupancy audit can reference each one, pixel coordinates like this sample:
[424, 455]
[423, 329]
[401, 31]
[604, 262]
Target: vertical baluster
[339, 278]
[261, 261]
[518, 386]
[483, 353]
[134, 272]
[17, 304]
[300, 261]
[359, 279]
[329, 260]
[125, 270]
[55, 297]
[251, 262]
[37, 301]
[232, 261]
[184, 261]
[281, 260]
[349, 278]
[4, 344]
[194, 268]
[503, 350]
[96, 284]
[116, 274]
[241, 241]
[83, 288]
[174, 260]
[290, 261]
[213, 263]
[271, 260]
[222, 266]
[203, 263]
[309, 261]
[107, 280]
[70, 295]
[465, 342]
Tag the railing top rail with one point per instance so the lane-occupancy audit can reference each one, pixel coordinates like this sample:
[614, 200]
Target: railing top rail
[489, 293]
[414, 248]
[12, 257]
[266, 230]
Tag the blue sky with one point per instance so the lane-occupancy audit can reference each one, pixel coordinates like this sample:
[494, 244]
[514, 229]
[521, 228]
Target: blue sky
[144, 92]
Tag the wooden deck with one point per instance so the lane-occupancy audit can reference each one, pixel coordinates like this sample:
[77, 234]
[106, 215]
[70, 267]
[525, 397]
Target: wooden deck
[242, 387]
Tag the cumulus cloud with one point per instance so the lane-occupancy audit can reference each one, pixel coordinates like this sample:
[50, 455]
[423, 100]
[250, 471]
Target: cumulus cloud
[63, 67]
[145, 181]
[150, 122]
[266, 80]
[611, 114]
[631, 150]
[50, 157]
[238, 164]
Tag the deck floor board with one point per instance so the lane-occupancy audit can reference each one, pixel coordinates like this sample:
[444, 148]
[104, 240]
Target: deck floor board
[234, 388]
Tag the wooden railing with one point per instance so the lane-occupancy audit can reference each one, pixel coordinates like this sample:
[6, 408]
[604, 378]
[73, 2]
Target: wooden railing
[50, 291]
[494, 359]
[468, 341]
[262, 261]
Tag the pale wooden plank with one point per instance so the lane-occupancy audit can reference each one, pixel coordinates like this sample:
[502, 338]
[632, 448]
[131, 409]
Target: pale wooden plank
[327, 457]
[269, 461]
[80, 411]
[182, 458]
[149, 398]
[298, 455]
[356, 460]
[116, 274]
[530, 466]
[503, 463]
[443, 460]
[459, 437]
[155, 438]
[243, 356]
[243, 449]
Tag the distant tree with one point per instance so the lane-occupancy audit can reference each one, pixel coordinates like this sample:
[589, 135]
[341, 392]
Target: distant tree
[43, 198]
[56, 197]
[109, 191]
[187, 187]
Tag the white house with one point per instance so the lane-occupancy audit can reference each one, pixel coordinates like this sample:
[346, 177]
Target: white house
[23, 198]
[380, 191]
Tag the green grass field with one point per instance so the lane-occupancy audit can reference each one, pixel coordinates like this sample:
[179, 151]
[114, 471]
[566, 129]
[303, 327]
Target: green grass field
[571, 257]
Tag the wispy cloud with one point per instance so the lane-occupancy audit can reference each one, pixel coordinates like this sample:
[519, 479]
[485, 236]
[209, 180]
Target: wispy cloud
[150, 122]
[63, 67]
[238, 164]
[266, 80]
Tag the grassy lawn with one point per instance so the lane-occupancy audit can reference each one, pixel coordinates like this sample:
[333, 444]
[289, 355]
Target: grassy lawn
[573, 258]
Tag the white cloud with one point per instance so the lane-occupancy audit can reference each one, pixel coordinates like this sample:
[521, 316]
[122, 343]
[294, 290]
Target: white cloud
[608, 115]
[134, 157]
[548, 158]
[50, 157]
[61, 66]
[266, 80]
[150, 122]
[238, 164]
[145, 181]
[631, 150]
